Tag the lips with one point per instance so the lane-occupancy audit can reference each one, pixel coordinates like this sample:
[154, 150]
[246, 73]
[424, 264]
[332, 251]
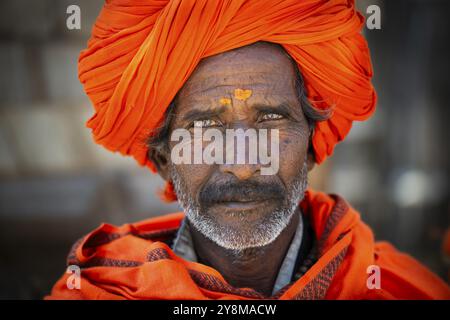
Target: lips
[244, 204]
[245, 196]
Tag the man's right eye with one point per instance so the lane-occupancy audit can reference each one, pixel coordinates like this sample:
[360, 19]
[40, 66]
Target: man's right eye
[206, 123]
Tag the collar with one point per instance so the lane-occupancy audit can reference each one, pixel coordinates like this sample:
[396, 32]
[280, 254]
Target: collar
[183, 246]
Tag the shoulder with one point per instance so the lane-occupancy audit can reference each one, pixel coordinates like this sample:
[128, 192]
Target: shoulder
[403, 277]
[115, 247]
[109, 240]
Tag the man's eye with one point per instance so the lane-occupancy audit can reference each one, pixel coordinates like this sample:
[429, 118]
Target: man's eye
[271, 116]
[206, 123]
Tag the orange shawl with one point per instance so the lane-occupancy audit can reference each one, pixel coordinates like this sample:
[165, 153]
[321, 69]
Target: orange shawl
[141, 52]
[134, 261]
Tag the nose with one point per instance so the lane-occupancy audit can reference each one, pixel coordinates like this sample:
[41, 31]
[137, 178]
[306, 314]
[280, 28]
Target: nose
[241, 166]
[241, 171]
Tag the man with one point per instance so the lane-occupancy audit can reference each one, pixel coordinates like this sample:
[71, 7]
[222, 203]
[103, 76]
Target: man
[299, 70]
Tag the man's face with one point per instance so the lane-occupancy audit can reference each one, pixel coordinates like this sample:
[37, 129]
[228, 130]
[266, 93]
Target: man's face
[252, 87]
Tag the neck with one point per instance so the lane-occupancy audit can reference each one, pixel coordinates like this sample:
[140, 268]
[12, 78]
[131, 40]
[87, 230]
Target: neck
[255, 268]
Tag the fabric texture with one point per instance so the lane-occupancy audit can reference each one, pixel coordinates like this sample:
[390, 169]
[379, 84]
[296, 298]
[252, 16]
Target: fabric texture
[141, 52]
[135, 261]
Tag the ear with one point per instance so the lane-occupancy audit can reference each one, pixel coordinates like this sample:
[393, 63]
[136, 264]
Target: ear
[310, 159]
[161, 161]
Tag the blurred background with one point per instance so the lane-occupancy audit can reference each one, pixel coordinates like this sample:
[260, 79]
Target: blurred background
[56, 184]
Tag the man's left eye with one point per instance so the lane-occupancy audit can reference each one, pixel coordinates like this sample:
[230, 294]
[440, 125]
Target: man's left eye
[271, 116]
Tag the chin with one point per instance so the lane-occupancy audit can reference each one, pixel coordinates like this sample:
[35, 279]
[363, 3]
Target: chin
[238, 216]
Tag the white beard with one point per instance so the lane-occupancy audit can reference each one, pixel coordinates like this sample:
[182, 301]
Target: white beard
[250, 235]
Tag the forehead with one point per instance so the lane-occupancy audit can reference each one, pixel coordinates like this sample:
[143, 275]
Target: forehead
[264, 68]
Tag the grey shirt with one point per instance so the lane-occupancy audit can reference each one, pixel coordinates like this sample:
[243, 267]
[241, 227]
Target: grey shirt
[183, 246]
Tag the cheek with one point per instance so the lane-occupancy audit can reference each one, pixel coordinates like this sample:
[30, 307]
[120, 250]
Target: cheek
[193, 175]
[293, 150]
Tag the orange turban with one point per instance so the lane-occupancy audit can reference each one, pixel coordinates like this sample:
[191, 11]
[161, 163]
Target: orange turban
[142, 52]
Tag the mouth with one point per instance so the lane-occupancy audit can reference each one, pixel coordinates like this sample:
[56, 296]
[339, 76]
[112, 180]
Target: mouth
[244, 205]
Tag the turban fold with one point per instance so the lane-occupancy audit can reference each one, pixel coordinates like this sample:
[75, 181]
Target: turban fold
[141, 52]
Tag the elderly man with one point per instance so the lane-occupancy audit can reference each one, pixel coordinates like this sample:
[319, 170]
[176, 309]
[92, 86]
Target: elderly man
[297, 69]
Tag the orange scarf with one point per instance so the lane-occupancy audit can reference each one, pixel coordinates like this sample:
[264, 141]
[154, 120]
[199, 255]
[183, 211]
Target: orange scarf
[134, 261]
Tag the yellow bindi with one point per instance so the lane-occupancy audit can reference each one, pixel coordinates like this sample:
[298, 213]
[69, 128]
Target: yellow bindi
[242, 94]
[225, 101]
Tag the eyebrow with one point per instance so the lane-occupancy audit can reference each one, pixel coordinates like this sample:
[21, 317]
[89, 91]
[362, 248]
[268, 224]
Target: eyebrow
[196, 114]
